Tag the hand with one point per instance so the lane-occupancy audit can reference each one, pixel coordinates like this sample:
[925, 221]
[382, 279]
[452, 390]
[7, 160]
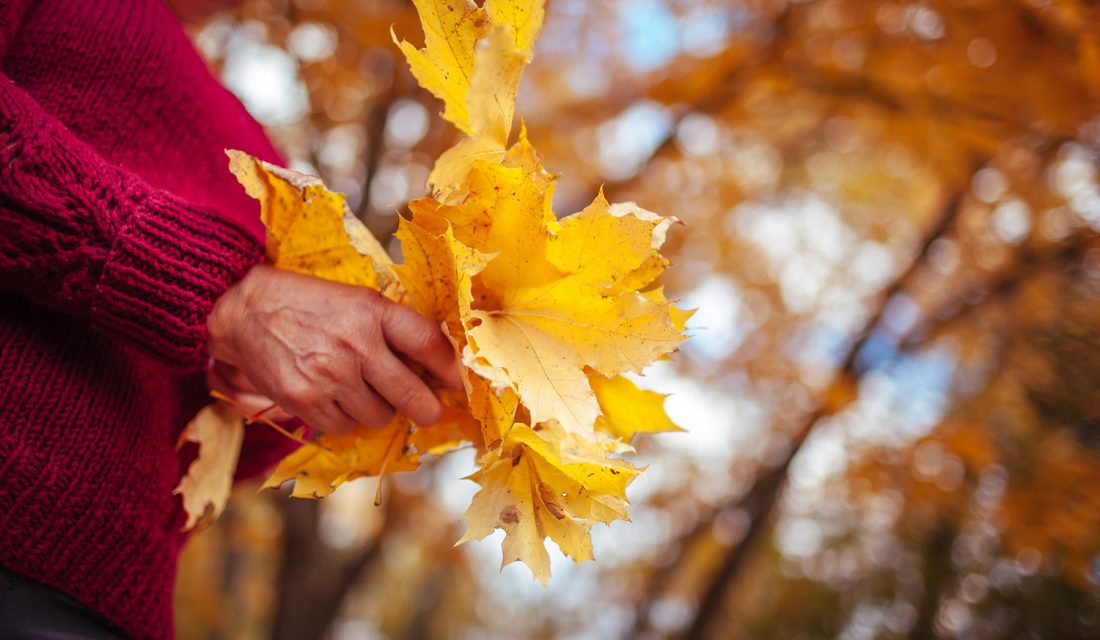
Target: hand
[330, 353]
[231, 383]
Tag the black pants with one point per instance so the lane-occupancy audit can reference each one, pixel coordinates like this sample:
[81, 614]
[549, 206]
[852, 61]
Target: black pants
[32, 611]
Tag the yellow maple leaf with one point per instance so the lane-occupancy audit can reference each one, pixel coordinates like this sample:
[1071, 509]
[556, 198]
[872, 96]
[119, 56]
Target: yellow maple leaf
[495, 412]
[493, 87]
[546, 484]
[473, 60]
[219, 431]
[446, 63]
[628, 410]
[310, 229]
[456, 428]
[525, 17]
[552, 311]
[437, 275]
[319, 467]
[478, 91]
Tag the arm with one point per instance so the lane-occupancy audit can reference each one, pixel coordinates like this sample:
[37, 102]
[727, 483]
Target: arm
[86, 237]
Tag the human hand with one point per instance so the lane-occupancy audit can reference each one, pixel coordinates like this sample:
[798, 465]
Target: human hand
[331, 354]
[229, 382]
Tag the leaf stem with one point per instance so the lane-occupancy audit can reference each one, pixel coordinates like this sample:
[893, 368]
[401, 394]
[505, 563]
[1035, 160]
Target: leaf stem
[259, 417]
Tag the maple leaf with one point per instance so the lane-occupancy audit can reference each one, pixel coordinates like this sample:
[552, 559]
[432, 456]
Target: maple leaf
[473, 60]
[553, 310]
[437, 275]
[478, 91]
[525, 17]
[319, 467]
[627, 410]
[310, 229]
[445, 64]
[546, 484]
[219, 431]
[457, 427]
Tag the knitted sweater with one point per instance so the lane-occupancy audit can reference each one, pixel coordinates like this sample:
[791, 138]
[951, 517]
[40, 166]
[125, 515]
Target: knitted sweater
[120, 226]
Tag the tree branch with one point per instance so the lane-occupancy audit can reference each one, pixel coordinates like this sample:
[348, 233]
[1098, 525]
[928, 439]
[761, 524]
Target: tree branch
[961, 307]
[375, 125]
[760, 502]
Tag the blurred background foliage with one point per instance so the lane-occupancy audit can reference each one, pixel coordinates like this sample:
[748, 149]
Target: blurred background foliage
[891, 213]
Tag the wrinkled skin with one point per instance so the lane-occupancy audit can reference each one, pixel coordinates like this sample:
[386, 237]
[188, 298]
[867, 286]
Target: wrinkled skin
[334, 355]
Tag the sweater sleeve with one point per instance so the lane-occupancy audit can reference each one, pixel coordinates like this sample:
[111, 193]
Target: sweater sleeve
[86, 237]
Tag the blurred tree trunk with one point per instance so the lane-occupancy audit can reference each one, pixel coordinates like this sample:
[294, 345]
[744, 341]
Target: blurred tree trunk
[295, 615]
[314, 581]
[937, 574]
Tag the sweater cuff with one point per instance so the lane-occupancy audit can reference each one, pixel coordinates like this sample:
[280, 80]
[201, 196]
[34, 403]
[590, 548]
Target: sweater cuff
[165, 271]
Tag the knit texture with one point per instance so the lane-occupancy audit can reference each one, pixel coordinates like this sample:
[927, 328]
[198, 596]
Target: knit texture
[120, 226]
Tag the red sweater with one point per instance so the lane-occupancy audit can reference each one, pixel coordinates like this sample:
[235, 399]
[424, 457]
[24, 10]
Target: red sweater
[120, 226]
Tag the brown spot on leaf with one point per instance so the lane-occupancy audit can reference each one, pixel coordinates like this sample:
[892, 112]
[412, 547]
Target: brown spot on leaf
[549, 500]
[509, 514]
[555, 509]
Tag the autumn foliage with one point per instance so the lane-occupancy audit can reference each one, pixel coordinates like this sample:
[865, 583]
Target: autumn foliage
[891, 233]
[547, 319]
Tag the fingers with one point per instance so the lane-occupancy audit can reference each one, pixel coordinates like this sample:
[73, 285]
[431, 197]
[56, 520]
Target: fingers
[334, 397]
[328, 416]
[307, 394]
[337, 356]
[402, 388]
[254, 404]
[365, 406]
[422, 340]
[231, 383]
[232, 377]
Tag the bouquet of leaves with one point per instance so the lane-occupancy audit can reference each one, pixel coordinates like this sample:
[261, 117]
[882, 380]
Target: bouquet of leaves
[547, 314]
